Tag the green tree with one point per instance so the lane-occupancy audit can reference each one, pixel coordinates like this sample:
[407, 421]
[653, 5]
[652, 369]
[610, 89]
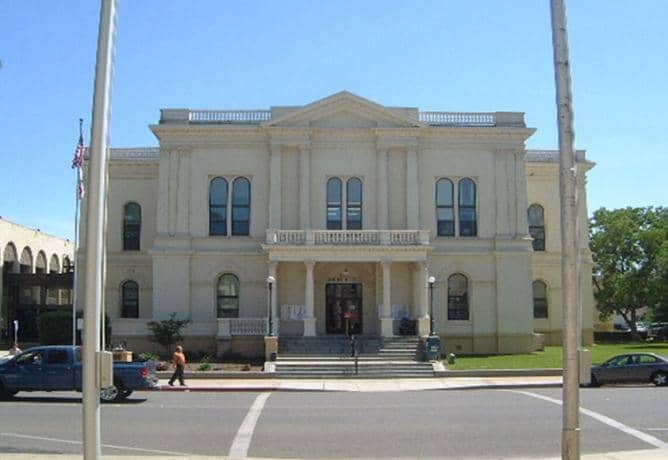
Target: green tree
[629, 247]
[167, 332]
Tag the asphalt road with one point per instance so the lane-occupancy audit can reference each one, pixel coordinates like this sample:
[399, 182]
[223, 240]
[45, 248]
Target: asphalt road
[439, 424]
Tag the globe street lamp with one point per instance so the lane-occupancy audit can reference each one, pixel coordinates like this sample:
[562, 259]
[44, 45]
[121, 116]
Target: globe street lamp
[270, 284]
[431, 280]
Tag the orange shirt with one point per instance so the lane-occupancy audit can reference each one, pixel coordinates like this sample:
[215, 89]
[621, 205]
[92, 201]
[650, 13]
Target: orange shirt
[179, 358]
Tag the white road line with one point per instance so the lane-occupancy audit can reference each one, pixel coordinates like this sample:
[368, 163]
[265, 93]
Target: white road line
[110, 446]
[242, 440]
[603, 419]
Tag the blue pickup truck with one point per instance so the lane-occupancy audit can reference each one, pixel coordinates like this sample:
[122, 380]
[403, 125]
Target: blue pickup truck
[58, 368]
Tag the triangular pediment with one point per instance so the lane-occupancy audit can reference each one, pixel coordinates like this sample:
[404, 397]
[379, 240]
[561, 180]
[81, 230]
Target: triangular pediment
[344, 110]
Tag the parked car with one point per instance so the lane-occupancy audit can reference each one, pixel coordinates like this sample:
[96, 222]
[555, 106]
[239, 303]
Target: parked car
[632, 368]
[658, 331]
[58, 368]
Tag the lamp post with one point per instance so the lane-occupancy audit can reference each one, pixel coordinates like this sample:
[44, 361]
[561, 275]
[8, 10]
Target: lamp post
[270, 284]
[431, 280]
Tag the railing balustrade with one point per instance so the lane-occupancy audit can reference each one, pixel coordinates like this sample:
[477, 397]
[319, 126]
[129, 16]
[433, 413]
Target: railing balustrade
[229, 116]
[348, 237]
[242, 326]
[458, 118]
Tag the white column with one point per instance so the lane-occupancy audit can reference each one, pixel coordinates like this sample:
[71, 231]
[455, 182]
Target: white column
[386, 321]
[412, 201]
[522, 225]
[309, 321]
[183, 196]
[163, 199]
[502, 176]
[274, 296]
[305, 187]
[275, 187]
[173, 183]
[383, 189]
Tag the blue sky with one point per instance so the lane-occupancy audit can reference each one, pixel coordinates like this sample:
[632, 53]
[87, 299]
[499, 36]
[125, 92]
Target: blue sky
[476, 55]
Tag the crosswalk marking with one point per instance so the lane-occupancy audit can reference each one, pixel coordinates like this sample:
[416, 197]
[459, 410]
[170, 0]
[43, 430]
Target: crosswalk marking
[603, 419]
[242, 440]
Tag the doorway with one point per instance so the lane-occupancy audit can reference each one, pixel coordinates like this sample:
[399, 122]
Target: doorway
[343, 308]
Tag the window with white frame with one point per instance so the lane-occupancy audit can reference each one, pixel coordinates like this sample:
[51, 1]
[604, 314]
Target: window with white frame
[346, 201]
[536, 218]
[131, 226]
[462, 220]
[130, 299]
[458, 297]
[229, 213]
[228, 296]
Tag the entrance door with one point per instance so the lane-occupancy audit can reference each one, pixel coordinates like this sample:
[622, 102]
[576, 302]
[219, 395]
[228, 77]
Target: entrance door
[344, 308]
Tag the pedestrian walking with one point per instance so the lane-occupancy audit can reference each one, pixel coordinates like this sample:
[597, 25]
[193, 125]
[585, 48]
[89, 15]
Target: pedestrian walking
[179, 360]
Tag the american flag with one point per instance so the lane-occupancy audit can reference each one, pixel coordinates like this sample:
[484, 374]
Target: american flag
[78, 161]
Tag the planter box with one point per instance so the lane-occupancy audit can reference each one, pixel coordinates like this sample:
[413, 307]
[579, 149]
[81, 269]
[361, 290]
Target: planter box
[122, 356]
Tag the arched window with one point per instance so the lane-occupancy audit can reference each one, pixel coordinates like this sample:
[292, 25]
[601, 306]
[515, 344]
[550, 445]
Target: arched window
[10, 258]
[54, 265]
[539, 299]
[228, 296]
[131, 226]
[334, 190]
[130, 300]
[67, 265]
[458, 298]
[467, 214]
[241, 200]
[354, 204]
[536, 217]
[26, 260]
[445, 211]
[218, 207]
[40, 263]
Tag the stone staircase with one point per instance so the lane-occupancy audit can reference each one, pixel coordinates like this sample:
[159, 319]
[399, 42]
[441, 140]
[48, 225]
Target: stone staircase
[331, 357]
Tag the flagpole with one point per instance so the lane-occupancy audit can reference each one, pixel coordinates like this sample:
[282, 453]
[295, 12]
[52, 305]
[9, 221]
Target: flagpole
[75, 283]
[95, 225]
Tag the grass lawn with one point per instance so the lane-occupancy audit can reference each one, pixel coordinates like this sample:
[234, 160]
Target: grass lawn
[552, 357]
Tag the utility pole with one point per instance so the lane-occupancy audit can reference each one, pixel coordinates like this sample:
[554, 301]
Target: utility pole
[95, 225]
[570, 440]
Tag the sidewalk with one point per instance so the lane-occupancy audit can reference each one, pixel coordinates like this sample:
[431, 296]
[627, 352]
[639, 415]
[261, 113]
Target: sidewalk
[363, 385]
[646, 454]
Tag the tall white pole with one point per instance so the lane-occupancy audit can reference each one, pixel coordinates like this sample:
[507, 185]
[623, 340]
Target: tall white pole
[75, 282]
[570, 441]
[95, 224]
[76, 263]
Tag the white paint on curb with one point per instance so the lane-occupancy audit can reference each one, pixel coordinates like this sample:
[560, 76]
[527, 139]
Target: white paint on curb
[242, 440]
[603, 419]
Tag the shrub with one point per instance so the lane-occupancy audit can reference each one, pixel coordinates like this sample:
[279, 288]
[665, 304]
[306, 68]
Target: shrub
[148, 356]
[167, 332]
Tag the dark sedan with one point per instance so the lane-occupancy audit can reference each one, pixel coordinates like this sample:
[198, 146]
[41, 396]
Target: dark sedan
[632, 368]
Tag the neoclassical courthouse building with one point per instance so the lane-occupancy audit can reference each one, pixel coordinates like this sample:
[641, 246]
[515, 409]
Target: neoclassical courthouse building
[350, 207]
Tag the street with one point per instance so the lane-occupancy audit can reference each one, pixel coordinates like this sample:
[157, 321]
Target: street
[439, 424]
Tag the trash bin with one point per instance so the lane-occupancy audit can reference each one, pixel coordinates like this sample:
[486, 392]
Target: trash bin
[433, 348]
[451, 358]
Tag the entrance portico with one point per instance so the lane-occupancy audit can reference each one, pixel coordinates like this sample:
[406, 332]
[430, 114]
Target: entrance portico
[336, 282]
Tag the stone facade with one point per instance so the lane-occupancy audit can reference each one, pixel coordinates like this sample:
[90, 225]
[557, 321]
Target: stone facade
[338, 202]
